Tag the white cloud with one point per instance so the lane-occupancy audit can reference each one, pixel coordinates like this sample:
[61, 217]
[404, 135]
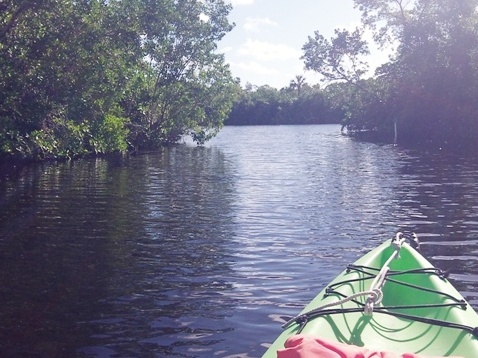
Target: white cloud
[256, 68]
[266, 51]
[254, 23]
[241, 2]
[226, 49]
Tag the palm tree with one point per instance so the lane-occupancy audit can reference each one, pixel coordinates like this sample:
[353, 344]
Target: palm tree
[297, 84]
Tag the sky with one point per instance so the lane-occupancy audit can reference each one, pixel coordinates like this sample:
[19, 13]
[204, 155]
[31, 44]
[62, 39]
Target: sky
[265, 46]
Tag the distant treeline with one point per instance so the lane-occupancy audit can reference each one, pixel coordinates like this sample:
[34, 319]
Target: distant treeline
[96, 76]
[297, 104]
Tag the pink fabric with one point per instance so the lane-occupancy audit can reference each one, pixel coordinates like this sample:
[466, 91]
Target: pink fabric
[302, 346]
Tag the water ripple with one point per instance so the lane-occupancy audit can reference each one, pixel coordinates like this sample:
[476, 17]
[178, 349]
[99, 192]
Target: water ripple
[202, 252]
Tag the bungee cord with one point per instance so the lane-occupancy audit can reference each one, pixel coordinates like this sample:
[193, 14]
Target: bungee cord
[375, 295]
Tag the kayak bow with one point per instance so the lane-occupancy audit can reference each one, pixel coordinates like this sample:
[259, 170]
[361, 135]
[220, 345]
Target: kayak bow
[391, 299]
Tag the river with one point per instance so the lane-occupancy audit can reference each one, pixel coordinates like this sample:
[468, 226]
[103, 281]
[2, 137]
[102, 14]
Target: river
[204, 251]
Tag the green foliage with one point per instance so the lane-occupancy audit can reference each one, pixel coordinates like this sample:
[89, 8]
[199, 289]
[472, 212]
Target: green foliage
[337, 59]
[189, 89]
[122, 72]
[297, 104]
[427, 91]
[62, 139]
[109, 135]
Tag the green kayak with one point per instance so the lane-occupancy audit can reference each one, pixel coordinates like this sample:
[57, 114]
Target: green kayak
[391, 299]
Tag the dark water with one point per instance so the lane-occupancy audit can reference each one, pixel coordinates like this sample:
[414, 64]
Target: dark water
[202, 252]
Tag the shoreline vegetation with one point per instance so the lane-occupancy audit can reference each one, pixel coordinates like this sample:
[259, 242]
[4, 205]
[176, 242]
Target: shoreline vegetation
[92, 77]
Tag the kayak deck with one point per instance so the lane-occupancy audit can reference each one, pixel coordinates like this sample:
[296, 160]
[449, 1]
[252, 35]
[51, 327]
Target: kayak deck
[420, 311]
